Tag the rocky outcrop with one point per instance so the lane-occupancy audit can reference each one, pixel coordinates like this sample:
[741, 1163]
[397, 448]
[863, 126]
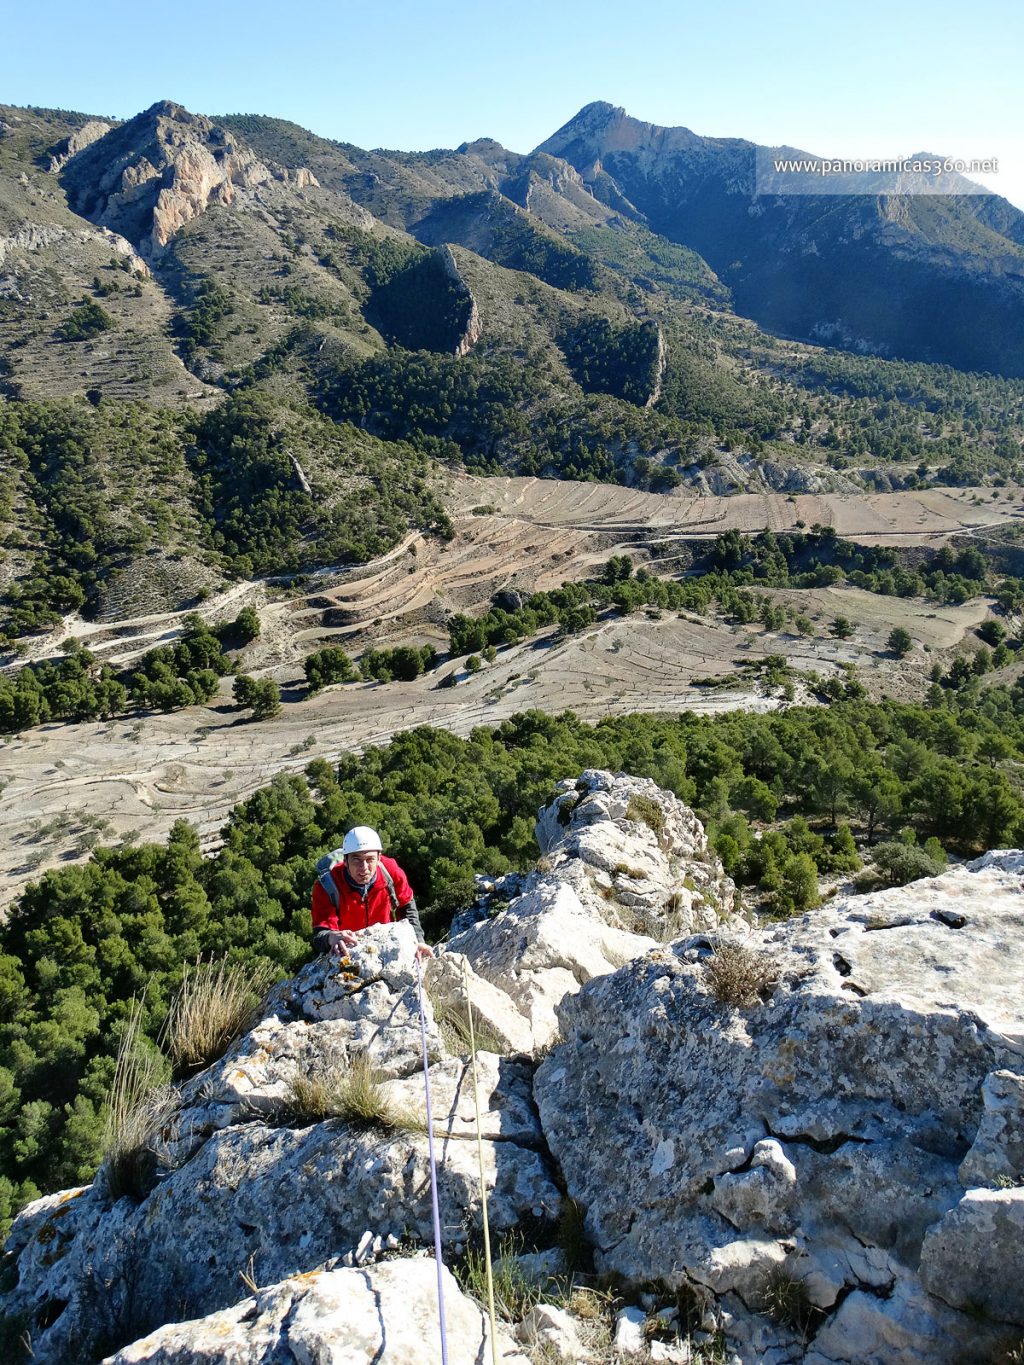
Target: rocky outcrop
[77, 142]
[37, 237]
[252, 1182]
[811, 1135]
[389, 1313]
[473, 329]
[660, 362]
[150, 176]
[624, 866]
[823, 1142]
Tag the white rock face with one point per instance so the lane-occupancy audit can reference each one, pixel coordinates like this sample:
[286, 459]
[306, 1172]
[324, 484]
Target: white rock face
[256, 1189]
[334, 1317]
[625, 866]
[545, 1325]
[152, 175]
[827, 1132]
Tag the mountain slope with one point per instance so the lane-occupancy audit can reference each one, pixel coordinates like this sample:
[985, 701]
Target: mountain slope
[937, 278]
[479, 308]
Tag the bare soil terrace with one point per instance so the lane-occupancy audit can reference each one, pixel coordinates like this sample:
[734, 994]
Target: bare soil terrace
[64, 786]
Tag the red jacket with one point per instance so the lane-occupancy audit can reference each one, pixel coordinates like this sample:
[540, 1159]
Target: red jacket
[356, 910]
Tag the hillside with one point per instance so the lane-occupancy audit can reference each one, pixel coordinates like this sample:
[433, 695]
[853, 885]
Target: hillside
[920, 276]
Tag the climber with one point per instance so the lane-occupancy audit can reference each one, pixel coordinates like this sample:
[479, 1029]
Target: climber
[357, 886]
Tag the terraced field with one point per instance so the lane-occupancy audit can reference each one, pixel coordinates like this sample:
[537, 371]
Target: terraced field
[63, 786]
[920, 518]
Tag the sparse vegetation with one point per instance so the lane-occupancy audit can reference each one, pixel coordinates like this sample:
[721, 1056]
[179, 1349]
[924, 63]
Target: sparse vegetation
[515, 1293]
[452, 1020]
[87, 320]
[353, 1090]
[784, 1298]
[140, 1106]
[215, 1003]
[647, 811]
[739, 976]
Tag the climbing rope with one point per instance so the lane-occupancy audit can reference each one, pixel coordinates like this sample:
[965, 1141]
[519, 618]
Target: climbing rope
[433, 1168]
[480, 1162]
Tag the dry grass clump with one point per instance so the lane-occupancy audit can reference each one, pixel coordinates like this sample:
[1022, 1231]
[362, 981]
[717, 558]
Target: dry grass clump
[784, 1298]
[739, 976]
[452, 1019]
[214, 1004]
[353, 1091]
[140, 1107]
[646, 811]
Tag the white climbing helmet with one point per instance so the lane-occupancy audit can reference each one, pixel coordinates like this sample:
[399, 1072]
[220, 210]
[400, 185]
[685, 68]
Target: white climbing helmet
[362, 839]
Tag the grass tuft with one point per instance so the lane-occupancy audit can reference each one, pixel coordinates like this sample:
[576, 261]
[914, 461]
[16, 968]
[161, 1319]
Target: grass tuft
[738, 976]
[352, 1091]
[140, 1108]
[215, 1003]
[452, 1019]
[514, 1292]
[784, 1298]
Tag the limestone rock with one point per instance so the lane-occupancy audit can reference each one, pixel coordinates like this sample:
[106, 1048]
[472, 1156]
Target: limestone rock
[998, 1149]
[825, 1145]
[250, 1185]
[474, 328]
[629, 1337]
[624, 865]
[148, 177]
[333, 1317]
[496, 1021]
[553, 1328]
[77, 142]
[821, 1132]
[974, 1257]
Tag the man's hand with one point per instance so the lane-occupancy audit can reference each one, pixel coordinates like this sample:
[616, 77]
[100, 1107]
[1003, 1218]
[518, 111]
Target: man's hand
[424, 950]
[344, 938]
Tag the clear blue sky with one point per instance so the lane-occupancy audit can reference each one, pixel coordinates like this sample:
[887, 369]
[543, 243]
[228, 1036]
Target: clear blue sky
[876, 77]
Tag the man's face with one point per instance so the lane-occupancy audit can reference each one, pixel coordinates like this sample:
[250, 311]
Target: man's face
[362, 867]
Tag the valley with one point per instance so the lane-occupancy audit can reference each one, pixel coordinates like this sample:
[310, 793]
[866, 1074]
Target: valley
[63, 787]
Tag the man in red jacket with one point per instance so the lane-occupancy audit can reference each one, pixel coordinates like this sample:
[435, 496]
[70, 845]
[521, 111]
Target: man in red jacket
[361, 889]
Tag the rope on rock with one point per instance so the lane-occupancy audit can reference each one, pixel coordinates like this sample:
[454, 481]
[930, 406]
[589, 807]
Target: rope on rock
[480, 1162]
[433, 1168]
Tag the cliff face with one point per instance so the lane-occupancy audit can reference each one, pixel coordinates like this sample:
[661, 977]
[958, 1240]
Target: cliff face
[829, 1112]
[150, 176]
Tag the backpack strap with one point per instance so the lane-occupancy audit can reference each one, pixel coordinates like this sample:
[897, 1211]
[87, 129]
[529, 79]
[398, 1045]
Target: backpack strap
[323, 874]
[332, 859]
[389, 882]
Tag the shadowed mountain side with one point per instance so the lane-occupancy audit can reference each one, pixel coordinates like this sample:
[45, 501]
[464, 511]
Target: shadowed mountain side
[927, 277]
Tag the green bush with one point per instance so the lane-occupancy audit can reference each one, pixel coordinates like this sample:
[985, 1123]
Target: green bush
[898, 863]
[87, 320]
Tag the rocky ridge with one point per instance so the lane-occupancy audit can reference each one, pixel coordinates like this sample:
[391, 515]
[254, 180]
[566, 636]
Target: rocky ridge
[819, 1156]
[150, 176]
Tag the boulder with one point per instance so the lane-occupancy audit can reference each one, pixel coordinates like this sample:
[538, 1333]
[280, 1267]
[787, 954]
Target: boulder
[818, 1138]
[333, 1317]
[973, 1258]
[553, 1328]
